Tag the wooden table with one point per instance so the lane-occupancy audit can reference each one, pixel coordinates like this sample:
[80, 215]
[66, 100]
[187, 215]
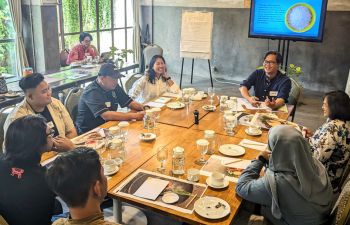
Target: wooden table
[184, 117]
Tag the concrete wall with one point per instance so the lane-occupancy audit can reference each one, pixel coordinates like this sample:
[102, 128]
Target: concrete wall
[235, 56]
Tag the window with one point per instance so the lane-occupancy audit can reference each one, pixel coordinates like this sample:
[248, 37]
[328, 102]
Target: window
[110, 22]
[7, 40]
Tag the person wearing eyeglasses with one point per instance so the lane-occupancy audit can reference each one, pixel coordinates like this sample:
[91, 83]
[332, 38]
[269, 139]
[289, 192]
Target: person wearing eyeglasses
[25, 197]
[270, 85]
[82, 50]
[38, 100]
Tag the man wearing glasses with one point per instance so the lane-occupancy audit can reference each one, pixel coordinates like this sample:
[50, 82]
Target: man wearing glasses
[270, 85]
[81, 51]
[38, 101]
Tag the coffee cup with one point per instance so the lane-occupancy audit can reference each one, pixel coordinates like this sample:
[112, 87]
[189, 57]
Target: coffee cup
[253, 129]
[110, 165]
[115, 130]
[200, 93]
[217, 179]
[193, 175]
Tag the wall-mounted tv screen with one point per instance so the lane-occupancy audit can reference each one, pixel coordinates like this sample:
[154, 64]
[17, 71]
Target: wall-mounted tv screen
[299, 20]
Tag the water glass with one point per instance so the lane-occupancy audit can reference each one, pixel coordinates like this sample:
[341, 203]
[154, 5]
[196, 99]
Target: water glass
[230, 124]
[124, 129]
[186, 98]
[162, 156]
[202, 147]
[211, 93]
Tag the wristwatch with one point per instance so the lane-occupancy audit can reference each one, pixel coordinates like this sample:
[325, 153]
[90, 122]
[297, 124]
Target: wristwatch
[168, 78]
[263, 160]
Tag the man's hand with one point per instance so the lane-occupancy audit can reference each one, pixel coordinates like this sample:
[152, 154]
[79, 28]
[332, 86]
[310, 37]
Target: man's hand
[271, 104]
[254, 101]
[139, 115]
[62, 144]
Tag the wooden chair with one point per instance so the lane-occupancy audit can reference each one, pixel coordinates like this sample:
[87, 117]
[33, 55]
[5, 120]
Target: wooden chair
[341, 210]
[4, 112]
[72, 100]
[63, 57]
[294, 97]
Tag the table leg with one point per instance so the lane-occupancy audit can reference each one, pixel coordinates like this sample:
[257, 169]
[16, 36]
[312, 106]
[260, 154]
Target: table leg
[117, 211]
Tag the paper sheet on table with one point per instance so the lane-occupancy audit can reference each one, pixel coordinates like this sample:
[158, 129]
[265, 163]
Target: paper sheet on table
[239, 105]
[243, 101]
[235, 163]
[171, 95]
[253, 144]
[162, 100]
[155, 104]
[151, 188]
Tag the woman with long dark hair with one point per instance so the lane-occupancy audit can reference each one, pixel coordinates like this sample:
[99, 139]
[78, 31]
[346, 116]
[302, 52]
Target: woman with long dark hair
[154, 83]
[25, 197]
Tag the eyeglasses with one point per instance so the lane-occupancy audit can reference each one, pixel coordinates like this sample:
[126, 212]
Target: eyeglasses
[269, 62]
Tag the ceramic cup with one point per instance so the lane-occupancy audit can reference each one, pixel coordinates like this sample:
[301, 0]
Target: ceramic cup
[193, 175]
[115, 130]
[217, 179]
[110, 165]
[253, 129]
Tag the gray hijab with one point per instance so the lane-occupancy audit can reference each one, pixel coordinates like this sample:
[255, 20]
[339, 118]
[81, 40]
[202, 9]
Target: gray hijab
[291, 158]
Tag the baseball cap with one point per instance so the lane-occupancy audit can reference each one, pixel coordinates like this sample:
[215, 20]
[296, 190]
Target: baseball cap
[108, 69]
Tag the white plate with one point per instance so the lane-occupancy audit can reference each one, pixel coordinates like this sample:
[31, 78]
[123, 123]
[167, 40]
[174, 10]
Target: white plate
[212, 207]
[225, 184]
[88, 66]
[148, 136]
[11, 95]
[232, 150]
[111, 172]
[245, 120]
[170, 198]
[175, 105]
[258, 133]
[210, 108]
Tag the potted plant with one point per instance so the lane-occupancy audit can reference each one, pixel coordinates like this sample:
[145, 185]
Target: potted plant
[294, 73]
[119, 56]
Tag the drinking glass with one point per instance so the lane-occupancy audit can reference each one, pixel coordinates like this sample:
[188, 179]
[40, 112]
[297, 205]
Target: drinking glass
[202, 147]
[185, 98]
[162, 155]
[124, 128]
[211, 93]
[230, 124]
[156, 114]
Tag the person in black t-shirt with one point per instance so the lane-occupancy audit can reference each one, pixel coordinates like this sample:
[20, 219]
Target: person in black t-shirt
[99, 101]
[25, 197]
[270, 85]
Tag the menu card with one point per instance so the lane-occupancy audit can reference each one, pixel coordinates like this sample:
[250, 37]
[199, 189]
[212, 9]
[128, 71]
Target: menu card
[151, 188]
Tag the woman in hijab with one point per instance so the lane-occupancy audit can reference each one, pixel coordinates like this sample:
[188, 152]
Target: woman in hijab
[295, 188]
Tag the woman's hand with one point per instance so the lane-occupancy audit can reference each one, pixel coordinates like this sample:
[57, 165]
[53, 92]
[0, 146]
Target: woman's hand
[306, 132]
[265, 154]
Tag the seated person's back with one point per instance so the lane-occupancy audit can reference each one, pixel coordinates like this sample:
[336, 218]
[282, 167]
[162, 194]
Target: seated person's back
[25, 197]
[83, 194]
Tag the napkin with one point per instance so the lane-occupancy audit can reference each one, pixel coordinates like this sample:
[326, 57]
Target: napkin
[162, 100]
[171, 95]
[151, 188]
[197, 97]
[253, 144]
[155, 104]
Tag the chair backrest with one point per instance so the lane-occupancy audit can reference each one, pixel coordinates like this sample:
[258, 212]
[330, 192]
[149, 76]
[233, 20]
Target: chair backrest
[150, 51]
[71, 102]
[341, 210]
[4, 112]
[63, 57]
[294, 93]
[130, 82]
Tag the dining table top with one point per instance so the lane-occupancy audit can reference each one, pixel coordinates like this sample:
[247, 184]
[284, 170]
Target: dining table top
[177, 128]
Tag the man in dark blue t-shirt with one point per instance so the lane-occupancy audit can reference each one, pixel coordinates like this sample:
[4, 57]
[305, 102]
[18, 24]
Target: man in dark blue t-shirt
[270, 85]
[99, 101]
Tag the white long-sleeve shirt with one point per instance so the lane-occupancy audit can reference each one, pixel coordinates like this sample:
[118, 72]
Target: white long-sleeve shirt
[143, 90]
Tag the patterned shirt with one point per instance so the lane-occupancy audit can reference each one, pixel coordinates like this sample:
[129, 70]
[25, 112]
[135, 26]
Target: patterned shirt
[79, 52]
[91, 220]
[331, 145]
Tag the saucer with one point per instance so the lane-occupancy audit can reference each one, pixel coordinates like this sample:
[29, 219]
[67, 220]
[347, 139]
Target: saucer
[111, 172]
[175, 105]
[225, 184]
[258, 133]
[231, 150]
[210, 108]
[170, 198]
[147, 136]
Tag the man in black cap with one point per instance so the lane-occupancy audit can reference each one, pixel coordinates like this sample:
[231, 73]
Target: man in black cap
[99, 101]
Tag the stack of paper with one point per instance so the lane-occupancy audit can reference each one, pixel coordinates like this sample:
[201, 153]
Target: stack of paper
[151, 188]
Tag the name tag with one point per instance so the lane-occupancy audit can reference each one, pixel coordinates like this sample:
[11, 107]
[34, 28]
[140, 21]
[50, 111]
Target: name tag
[273, 93]
[108, 104]
[50, 125]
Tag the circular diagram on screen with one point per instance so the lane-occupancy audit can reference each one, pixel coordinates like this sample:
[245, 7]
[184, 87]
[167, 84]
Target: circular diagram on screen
[300, 17]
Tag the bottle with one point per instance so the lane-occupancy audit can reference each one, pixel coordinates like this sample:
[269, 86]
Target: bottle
[209, 135]
[178, 161]
[196, 117]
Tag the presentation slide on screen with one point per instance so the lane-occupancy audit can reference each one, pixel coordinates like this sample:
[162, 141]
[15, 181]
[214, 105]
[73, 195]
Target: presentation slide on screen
[286, 18]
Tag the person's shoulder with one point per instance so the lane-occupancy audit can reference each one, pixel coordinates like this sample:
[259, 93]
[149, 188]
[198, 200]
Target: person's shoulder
[19, 110]
[93, 87]
[61, 221]
[259, 72]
